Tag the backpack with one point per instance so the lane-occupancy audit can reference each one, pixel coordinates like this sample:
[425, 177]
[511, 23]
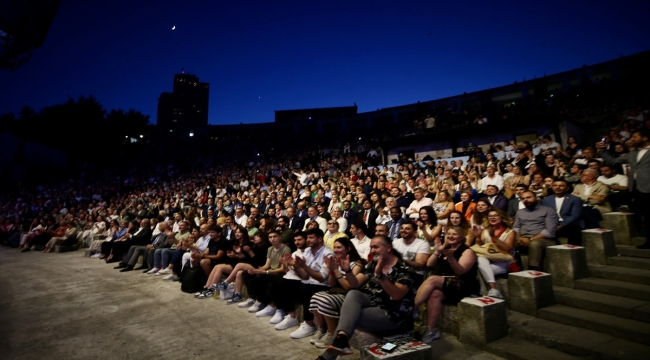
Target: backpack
[191, 279]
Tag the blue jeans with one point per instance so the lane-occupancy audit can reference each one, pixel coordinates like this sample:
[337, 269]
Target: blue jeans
[161, 258]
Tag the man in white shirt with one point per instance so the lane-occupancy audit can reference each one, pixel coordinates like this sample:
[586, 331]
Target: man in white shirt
[547, 143]
[240, 217]
[313, 274]
[617, 185]
[492, 178]
[312, 215]
[414, 209]
[415, 252]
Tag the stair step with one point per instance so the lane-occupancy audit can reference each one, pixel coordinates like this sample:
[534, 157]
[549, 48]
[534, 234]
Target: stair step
[513, 348]
[574, 340]
[628, 329]
[629, 262]
[603, 303]
[620, 273]
[614, 287]
[632, 251]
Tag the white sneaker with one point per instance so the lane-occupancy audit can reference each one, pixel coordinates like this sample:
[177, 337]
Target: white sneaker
[171, 277]
[286, 323]
[317, 335]
[278, 317]
[303, 331]
[324, 341]
[256, 307]
[247, 303]
[165, 271]
[153, 271]
[495, 294]
[96, 256]
[267, 311]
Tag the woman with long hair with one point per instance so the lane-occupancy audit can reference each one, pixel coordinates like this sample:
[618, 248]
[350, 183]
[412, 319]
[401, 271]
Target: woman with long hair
[239, 250]
[426, 223]
[326, 305]
[256, 258]
[498, 232]
[455, 218]
[466, 206]
[455, 267]
[479, 218]
[442, 206]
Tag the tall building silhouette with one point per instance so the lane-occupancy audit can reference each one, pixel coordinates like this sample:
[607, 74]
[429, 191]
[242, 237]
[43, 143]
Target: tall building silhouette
[186, 105]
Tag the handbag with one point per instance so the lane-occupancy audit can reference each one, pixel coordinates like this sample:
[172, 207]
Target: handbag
[491, 252]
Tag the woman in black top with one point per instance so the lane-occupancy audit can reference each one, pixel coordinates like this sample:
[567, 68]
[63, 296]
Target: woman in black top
[256, 258]
[455, 268]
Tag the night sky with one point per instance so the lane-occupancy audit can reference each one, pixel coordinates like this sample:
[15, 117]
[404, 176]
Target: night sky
[260, 56]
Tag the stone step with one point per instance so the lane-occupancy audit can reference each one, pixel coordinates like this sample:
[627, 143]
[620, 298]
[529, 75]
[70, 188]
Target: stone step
[632, 251]
[629, 262]
[603, 303]
[574, 340]
[620, 273]
[615, 326]
[614, 287]
[513, 348]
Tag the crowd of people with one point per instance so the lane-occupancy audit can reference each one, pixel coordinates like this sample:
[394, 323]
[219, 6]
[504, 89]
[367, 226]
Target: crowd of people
[358, 246]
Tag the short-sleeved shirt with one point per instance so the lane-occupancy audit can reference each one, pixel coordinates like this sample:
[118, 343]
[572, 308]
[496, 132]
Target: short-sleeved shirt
[317, 262]
[418, 246]
[291, 274]
[275, 256]
[179, 238]
[401, 273]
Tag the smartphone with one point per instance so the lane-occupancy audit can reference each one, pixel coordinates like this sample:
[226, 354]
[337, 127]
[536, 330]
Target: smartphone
[579, 152]
[603, 140]
[388, 347]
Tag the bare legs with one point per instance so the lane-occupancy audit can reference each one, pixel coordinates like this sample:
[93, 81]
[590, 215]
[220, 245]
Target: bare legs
[431, 292]
[217, 272]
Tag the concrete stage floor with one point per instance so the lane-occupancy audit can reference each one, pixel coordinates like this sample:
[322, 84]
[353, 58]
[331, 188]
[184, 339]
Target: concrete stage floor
[67, 306]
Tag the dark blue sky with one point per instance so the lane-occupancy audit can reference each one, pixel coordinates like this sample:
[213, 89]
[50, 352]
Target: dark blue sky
[260, 56]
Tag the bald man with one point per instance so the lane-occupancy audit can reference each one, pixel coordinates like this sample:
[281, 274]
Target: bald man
[593, 194]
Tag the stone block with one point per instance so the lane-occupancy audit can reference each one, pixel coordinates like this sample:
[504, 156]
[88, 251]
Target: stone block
[448, 322]
[530, 291]
[482, 320]
[599, 245]
[140, 260]
[622, 227]
[407, 349]
[566, 263]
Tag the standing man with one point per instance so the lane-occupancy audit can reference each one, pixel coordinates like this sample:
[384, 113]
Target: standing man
[639, 176]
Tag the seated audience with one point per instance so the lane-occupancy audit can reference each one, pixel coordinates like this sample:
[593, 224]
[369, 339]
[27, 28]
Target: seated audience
[498, 232]
[455, 277]
[569, 211]
[535, 227]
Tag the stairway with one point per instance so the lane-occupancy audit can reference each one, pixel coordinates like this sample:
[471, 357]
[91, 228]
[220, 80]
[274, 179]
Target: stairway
[607, 315]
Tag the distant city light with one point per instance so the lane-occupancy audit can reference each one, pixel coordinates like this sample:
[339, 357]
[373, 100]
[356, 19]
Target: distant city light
[171, 130]
[141, 136]
[127, 136]
[191, 134]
